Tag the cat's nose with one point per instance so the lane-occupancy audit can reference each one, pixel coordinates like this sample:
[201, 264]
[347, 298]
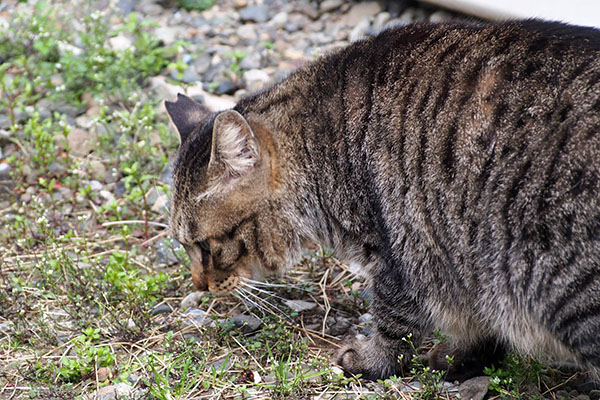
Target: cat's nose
[199, 279]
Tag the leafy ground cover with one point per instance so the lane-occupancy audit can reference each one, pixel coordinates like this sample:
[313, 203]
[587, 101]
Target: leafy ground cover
[95, 299]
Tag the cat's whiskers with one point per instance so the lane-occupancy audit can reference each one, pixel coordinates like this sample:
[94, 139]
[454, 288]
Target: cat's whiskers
[259, 283]
[264, 302]
[245, 299]
[263, 291]
[269, 284]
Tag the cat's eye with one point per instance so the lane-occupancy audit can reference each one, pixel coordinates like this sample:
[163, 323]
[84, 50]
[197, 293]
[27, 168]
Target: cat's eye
[203, 245]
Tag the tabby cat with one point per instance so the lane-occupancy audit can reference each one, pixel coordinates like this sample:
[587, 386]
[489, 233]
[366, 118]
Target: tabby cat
[457, 163]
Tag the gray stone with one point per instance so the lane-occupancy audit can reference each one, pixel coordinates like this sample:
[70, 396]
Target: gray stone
[255, 79]
[164, 89]
[360, 30]
[365, 318]
[56, 168]
[126, 6]
[22, 115]
[222, 365]
[582, 397]
[150, 7]
[247, 32]
[191, 300]
[308, 9]
[5, 135]
[211, 101]
[120, 42]
[440, 16]
[291, 27]
[256, 13]
[120, 189]
[44, 112]
[107, 196]
[359, 11]
[165, 251]
[196, 317]
[380, 20]
[330, 5]
[81, 142]
[152, 195]
[167, 34]
[161, 203]
[594, 394]
[5, 169]
[166, 174]
[339, 327]
[320, 38]
[97, 169]
[69, 109]
[395, 23]
[280, 18]
[95, 185]
[202, 63]
[113, 392]
[84, 122]
[225, 87]
[300, 305]
[190, 75]
[162, 308]
[474, 388]
[251, 61]
[5, 327]
[246, 323]
[4, 122]
[409, 15]
[133, 379]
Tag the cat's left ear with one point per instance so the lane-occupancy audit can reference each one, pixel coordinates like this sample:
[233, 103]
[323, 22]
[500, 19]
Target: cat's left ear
[234, 144]
[186, 114]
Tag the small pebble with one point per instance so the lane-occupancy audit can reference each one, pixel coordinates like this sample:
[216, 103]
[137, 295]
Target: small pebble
[192, 300]
[103, 374]
[300, 305]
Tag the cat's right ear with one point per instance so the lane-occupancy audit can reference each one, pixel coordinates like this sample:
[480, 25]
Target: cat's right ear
[186, 114]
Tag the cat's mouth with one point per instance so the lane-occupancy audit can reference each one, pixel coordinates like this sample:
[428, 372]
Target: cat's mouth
[218, 282]
[223, 286]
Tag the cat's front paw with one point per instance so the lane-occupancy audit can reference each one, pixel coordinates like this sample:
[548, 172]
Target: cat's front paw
[370, 360]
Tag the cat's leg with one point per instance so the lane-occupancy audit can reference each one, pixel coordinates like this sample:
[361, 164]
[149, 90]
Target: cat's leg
[463, 361]
[399, 324]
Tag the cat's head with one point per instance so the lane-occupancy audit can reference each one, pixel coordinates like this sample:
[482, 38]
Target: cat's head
[223, 208]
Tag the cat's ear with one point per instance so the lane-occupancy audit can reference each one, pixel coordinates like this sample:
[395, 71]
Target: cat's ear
[186, 114]
[234, 145]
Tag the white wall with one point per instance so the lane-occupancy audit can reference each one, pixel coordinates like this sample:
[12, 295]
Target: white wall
[579, 12]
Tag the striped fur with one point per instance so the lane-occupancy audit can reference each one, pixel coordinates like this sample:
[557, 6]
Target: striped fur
[458, 162]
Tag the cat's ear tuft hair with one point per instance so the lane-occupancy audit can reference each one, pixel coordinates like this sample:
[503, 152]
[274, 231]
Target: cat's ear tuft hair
[234, 144]
[186, 114]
